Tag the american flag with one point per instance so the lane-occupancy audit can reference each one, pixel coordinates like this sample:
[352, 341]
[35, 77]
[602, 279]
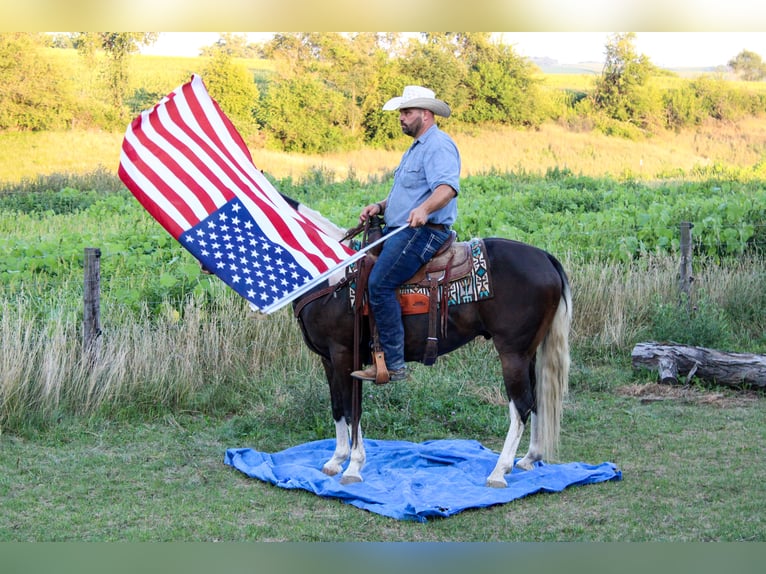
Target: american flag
[186, 164]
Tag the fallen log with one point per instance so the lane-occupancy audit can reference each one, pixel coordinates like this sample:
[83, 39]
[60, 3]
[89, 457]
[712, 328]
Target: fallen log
[717, 367]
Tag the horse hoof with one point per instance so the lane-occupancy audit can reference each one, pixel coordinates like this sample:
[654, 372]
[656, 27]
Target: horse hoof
[350, 479]
[525, 464]
[330, 470]
[493, 483]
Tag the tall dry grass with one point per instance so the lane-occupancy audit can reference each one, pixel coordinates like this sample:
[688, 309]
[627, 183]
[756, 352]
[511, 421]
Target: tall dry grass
[220, 357]
[224, 357]
[502, 149]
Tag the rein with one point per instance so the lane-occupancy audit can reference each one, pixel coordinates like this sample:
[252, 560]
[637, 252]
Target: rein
[361, 275]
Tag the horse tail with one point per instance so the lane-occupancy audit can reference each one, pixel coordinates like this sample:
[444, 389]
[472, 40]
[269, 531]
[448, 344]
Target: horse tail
[552, 371]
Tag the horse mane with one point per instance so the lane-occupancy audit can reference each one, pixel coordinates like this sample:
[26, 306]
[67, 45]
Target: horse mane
[316, 218]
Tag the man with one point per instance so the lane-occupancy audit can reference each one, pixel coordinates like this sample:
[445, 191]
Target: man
[423, 198]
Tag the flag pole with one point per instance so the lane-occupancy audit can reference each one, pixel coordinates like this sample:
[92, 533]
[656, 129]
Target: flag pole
[306, 287]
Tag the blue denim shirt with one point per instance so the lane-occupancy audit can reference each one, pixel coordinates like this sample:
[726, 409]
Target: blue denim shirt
[431, 160]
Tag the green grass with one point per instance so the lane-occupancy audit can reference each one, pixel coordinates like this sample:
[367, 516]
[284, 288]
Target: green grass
[135, 452]
[692, 463]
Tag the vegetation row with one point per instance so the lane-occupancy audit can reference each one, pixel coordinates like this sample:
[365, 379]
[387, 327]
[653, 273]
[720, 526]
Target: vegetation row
[323, 92]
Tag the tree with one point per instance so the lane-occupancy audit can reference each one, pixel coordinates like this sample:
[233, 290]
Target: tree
[233, 88]
[500, 85]
[303, 114]
[622, 92]
[32, 91]
[336, 78]
[748, 66]
[118, 46]
[436, 63]
[235, 45]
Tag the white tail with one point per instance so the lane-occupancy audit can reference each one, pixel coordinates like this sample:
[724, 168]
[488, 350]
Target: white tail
[552, 372]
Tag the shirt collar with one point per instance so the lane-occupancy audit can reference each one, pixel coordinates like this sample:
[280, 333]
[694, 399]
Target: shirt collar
[424, 136]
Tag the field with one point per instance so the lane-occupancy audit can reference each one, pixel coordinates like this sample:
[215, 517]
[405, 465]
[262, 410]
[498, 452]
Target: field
[131, 448]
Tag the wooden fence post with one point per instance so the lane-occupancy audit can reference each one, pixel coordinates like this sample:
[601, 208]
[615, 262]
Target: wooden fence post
[91, 329]
[685, 277]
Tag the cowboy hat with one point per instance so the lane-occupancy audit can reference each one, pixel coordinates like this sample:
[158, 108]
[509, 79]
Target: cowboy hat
[418, 97]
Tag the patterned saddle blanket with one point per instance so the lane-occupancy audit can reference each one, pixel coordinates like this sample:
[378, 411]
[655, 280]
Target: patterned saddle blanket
[468, 280]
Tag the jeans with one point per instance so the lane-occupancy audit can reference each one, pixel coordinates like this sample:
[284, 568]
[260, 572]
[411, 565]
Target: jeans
[402, 255]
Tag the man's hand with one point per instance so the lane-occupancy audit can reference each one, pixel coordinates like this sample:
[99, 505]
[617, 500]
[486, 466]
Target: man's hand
[418, 216]
[369, 211]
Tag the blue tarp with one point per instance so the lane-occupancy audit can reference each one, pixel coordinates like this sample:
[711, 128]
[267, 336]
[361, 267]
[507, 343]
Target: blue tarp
[410, 481]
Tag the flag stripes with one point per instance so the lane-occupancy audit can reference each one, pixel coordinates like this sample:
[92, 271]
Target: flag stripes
[184, 160]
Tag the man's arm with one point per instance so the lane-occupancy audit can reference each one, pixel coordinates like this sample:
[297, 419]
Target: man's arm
[441, 196]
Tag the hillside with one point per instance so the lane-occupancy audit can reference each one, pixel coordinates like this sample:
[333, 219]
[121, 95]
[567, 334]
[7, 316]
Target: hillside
[502, 149]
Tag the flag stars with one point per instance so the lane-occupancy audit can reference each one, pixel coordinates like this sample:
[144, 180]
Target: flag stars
[231, 243]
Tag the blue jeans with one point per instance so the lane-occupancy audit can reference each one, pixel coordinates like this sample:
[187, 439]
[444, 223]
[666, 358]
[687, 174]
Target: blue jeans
[402, 255]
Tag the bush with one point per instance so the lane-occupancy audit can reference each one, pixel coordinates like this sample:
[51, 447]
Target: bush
[703, 325]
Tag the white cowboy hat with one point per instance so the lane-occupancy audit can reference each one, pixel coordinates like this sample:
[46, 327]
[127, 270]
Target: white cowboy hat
[418, 97]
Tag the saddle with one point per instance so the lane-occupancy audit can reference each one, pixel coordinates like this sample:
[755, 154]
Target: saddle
[451, 262]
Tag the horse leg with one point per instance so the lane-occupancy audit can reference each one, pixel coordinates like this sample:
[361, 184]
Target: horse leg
[342, 449]
[342, 398]
[358, 457]
[520, 402]
[507, 456]
[534, 453]
[342, 429]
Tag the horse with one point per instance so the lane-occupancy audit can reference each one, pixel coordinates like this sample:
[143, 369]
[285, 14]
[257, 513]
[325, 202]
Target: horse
[528, 319]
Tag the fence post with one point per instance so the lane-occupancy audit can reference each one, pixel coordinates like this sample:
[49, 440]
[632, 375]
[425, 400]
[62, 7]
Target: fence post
[91, 329]
[685, 277]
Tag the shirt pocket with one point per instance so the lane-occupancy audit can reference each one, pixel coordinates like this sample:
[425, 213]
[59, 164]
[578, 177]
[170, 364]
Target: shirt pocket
[411, 178]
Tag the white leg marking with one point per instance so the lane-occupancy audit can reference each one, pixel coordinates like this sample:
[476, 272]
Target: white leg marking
[342, 449]
[358, 457]
[534, 453]
[505, 461]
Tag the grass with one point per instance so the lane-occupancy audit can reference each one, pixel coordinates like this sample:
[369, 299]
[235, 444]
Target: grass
[220, 358]
[143, 460]
[85, 459]
[692, 464]
[500, 149]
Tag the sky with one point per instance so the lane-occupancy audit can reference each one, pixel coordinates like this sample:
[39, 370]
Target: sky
[664, 49]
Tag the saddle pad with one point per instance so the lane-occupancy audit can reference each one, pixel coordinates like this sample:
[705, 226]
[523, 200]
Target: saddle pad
[410, 481]
[475, 286]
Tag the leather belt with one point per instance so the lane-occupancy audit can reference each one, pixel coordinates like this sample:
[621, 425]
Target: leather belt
[438, 226]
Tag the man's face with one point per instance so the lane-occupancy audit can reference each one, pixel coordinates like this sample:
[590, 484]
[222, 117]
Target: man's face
[411, 120]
